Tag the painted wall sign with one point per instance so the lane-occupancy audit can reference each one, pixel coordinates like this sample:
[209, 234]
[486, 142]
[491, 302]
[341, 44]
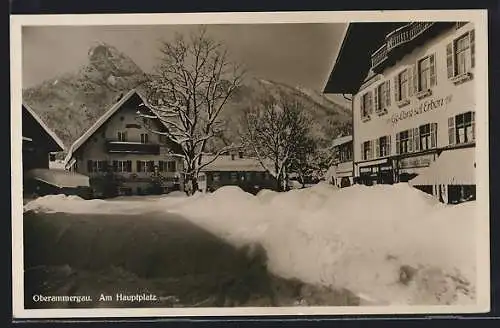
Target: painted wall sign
[425, 106]
[418, 161]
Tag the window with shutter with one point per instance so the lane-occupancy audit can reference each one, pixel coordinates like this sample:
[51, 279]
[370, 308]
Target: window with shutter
[139, 166]
[433, 135]
[129, 166]
[363, 152]
[377, 148]
[377, 94]
[451, 130]
[372, 148]
[90, 166]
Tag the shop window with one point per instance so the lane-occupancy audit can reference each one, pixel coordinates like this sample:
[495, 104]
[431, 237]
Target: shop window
[460, 56]
[234, 176]
[366, 105]
[122, 136]
[461, 128]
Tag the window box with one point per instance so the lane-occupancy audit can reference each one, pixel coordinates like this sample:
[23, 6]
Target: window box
[462, 78]
[404, 102]
[366, 118]
[424, 93]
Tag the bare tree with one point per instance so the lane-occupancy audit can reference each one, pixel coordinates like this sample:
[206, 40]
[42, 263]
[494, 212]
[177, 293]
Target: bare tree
[273, 130]
[188, 91]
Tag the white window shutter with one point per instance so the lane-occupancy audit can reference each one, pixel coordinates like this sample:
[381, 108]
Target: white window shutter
[376, 97]
[433, 78]
[387, 93]
[433, 135]
[451, 131]
[450, 65]
[396, 88]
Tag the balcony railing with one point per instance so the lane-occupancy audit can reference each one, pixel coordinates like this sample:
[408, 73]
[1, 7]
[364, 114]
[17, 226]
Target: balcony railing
[399, 37]
[113, 146]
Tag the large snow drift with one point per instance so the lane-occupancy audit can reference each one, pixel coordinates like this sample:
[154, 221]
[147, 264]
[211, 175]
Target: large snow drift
[388, 244]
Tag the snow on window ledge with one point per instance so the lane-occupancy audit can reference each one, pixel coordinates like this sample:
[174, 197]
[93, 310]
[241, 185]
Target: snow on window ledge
[424, 93]
[461, 78]
[403, 102]
[382, 111]
[366, 118]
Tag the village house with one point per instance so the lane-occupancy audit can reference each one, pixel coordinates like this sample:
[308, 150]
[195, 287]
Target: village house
[39, 144]
[414, 108]
[342, 175]
[234, 169]
[121, 153]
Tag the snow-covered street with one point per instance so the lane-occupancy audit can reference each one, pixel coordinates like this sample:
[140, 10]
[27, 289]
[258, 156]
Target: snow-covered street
[386, 244]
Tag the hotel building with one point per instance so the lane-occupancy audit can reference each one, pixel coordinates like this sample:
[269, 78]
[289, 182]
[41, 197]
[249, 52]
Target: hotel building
[414, 112]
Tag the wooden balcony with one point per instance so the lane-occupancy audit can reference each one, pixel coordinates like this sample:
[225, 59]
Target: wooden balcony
[131, 147]
[400, 38]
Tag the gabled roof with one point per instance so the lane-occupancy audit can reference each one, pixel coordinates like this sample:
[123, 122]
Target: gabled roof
[103, 119]
[225, 163]
[51, 133]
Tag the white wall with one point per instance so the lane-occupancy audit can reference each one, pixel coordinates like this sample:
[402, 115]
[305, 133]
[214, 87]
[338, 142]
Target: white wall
[456, 98]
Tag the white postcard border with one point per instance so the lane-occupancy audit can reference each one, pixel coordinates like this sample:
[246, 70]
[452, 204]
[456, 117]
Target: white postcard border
[479, 17]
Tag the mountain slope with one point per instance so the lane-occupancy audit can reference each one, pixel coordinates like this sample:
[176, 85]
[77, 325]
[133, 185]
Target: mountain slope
[71, 103]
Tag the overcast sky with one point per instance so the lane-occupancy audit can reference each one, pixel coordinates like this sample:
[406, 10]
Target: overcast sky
[297, 54]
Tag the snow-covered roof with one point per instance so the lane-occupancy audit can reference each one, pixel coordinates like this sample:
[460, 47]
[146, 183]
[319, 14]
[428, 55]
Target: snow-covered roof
[226, 163]
[103, 119]
[58, 178]
[341, 140]
[44, 126]
[445, 171]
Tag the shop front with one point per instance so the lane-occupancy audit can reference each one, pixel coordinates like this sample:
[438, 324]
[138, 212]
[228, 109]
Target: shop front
[410, 167]
[379, 173]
